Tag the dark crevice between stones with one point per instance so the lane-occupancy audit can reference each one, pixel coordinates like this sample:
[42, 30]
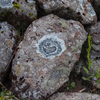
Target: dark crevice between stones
[19, 22]
[5, 78]
[40, 11]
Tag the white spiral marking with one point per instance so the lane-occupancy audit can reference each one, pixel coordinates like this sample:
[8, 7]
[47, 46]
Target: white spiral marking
[6, 3]
[50, 46]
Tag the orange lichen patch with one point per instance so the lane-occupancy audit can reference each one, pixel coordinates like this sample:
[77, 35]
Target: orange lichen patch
[99, 86]
[9, 42]
[36, 64]
[18, 68]
[90, 1]
[30, 71]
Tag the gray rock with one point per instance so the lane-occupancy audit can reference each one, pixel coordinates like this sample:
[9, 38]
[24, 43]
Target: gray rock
[75, 96]
[46, 56]
[95, 51]
[9, 98]
[94, 29]
[74, 9]
[8, 35]
[18, 11]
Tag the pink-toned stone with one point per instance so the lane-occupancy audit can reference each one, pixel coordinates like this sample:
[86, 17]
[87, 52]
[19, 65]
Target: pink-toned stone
[75, 96]
[80, 10]
[46, 56]
[18, 12]
[8, 36]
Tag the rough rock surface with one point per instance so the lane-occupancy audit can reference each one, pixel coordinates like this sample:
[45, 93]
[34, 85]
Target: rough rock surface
[46, 56]
[94, 53]
[95, 50]
[9, 98]
[23, 11]
[74, 9]
[96, 5]
[7, 40]
[75, 96]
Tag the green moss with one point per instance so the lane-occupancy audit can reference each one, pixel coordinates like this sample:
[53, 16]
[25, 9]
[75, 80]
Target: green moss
[30, 14]
[31, 7]
[35, 17]
[4, 14]
[22, 10]
[2, 31]
[16, 5]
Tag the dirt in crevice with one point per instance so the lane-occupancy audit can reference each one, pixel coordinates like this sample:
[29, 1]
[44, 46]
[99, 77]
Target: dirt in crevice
[80, 85]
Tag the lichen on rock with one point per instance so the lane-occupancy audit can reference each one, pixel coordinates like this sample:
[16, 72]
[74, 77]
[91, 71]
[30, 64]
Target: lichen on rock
[8, 36]
[6, 3]
[46, 57]
[50, 46]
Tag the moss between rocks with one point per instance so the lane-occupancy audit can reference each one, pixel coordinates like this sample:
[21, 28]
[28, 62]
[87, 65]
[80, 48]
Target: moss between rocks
[16, 5]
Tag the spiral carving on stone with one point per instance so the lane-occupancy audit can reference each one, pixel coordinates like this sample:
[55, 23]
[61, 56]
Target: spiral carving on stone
[6, 3]
[50, 46]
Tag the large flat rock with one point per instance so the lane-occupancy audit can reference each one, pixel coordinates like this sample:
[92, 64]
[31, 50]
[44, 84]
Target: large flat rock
[46, 56]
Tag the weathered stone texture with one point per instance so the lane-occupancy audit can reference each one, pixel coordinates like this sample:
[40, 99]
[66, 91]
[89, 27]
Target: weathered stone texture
[9, 98]
[18, 11]
[46, 56]
[74, 9]
[95, 50]
[75, 96]
[95, 33]
[8, 35]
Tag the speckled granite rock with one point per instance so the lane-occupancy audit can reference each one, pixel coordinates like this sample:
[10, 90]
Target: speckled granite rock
[75, 96]
[74, 9]
[7, 40]
[18, 11]
[46, 56]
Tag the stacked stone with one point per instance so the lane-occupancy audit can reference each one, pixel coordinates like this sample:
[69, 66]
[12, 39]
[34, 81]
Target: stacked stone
[95, 50]
[8, 36]
[96, 5]
[51, 45]
[18, 11]
[80, 10]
